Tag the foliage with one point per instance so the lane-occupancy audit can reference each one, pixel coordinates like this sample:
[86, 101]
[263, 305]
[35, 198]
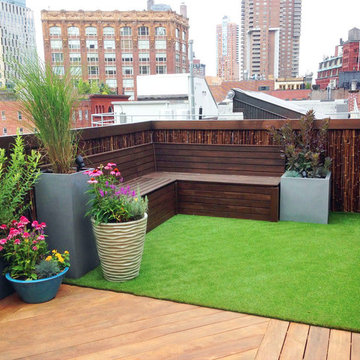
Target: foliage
[46, 269]
[17, 176]
[304, 151]
[111, 202]
[48, 99]
[83, 87]
[25, 247]
[94, 88]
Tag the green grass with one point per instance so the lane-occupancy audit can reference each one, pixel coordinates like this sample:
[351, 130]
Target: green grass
[302, 272]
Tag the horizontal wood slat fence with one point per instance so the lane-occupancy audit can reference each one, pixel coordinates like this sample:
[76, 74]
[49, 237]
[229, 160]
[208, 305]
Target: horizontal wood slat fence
[343, 145]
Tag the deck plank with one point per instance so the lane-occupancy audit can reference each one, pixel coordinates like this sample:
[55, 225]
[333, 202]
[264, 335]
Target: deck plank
[294, 346]
[339, 345]
[355, 346]
[317, 345]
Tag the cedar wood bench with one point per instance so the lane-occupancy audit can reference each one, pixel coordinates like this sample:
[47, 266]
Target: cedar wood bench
[238, 181]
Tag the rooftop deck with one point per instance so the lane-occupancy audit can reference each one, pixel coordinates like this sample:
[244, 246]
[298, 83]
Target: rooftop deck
[84, 323]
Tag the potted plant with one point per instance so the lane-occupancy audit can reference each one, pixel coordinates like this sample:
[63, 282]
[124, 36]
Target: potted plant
[49, 100]
[18, 173]
[305, 186]
[119, 219]
[33, 271]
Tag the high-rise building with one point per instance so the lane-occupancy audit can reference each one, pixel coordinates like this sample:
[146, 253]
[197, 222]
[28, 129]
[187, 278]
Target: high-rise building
[270, 38]
[227, 50]
[113, 47]
[17, 33]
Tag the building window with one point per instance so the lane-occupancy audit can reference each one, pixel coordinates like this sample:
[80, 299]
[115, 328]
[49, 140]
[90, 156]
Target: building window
[128, 83]
[75, 70]
[19, 115]
[80, 115]
[144, 57]
[93, 70]
[161, 69]
[127, 70]
[112, 83]
[56, 44]
[125, 31]
[109, 31]
[160, 31]
[177, 58]
[183, 35]
[73, 116]
[59, 70]
[75, 58]
[92, 57]
[144, 70]
[177, 46]
[21, 131]
[160, 44]
[127, 57]
[110, 70]
[110, 58]
[91, 31]
[161, 57]
[143, 44]
[91, 44]
[74, 44]
[177, 33]
[3, 116]
[109, 44]
[55, 31]
[183, 48]
[143, 31]
[73, 31]
[86, 115]
[4, 131]
[131, 94]
[126, 44]
[57, 57]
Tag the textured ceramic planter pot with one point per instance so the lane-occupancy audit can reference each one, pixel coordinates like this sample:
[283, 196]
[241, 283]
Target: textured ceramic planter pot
[62, 202]
[37, 291]
[305, 199]
[120, 247]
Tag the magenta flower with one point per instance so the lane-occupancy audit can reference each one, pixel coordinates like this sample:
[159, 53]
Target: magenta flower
[92, 181]
[41, 237]
[34, 248]
[24, 220]
[35, 223]
[34, 242]
[3, 241]
[13, 232]
[96, 172]
[42, 225]
[101, 193]
[25, 235]
[111, 164]
[1, 247]
[3, 227]
[17, 241]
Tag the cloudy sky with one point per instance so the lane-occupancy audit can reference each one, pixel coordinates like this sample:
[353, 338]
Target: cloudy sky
[324, 22]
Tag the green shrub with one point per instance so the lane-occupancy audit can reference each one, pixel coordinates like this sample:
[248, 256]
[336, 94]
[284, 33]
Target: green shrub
[46, 269]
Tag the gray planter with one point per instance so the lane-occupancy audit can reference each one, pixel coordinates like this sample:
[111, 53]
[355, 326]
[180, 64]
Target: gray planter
[5, 287]
[305, 199]
[61, 202]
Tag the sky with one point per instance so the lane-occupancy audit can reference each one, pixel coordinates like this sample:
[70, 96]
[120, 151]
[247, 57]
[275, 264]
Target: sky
[324, 22]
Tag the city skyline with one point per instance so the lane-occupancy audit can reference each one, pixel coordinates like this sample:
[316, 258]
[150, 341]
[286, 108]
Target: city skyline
[324, 22]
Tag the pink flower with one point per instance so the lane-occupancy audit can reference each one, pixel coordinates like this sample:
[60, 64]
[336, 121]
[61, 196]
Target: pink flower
[95, 173]
[1, 247]
[3, 241]
[34, 242]
[13, 232]
[112, 172]
[111, 164]
[108, 167]
[17, 241]
[3, 227]
[25, 235]
[35, 223]
[34, 248]
[24, 220]
[14, 223]
[40, 237]
[92, 181]
[42, 225]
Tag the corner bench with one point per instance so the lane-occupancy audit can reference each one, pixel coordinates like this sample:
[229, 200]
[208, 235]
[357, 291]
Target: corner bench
[238, 181]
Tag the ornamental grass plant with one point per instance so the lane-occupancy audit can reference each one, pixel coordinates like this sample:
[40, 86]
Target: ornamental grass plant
[48, 100]
[111, 202]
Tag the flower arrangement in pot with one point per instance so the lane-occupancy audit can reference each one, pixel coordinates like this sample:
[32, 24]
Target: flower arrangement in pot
[119, 220]
[34, 271]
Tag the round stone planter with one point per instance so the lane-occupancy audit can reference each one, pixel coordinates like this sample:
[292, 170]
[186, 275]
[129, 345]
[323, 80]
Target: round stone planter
[37, 291]
[120, 247]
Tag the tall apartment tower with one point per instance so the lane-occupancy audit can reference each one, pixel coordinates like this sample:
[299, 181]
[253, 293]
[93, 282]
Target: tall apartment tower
[227, 50]
[270, 38]
[113, 47]
[17, 33]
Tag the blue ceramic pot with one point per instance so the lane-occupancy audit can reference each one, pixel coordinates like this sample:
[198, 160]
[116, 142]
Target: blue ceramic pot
[37, 291]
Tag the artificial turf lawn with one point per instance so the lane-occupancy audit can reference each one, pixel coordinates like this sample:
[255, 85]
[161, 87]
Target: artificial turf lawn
[293, 271]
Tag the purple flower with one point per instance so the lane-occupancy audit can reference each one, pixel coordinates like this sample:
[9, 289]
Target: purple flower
[101, 193]
[113, 187]
[106, 183]
[133, 193]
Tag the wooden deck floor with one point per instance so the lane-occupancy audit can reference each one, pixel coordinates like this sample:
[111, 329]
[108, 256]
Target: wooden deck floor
[92, 324]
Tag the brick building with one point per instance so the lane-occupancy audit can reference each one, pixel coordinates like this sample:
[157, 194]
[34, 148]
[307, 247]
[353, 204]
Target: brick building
[346, 60]
[113, 47]
[12, 119]
[270, 38]
[227, 50]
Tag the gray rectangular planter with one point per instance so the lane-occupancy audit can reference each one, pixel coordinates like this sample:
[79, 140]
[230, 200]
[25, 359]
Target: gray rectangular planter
[305, 199]
[5, 287]
[61, 202]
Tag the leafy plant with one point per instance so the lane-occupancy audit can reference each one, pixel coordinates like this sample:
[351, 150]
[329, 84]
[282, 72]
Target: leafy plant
[46, 269]
[17, 176]
[48, 99]
[62, 260]
[304, 150]
[111, 202]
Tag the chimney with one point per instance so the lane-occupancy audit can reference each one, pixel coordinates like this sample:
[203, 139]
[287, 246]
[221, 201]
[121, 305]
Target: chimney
[336, 51]
[183, 10]
[150, 3]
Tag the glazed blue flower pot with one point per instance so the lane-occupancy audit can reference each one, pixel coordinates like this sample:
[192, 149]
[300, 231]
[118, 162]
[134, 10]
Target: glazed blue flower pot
[37, 291]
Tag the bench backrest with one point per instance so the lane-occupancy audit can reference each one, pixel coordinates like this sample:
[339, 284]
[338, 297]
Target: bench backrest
[133, 162]
[220, 159]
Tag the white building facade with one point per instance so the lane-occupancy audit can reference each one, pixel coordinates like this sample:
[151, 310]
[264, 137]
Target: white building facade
[17, 36]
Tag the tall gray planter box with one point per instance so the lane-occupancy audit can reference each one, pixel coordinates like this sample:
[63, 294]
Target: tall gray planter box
[305, 199]
[61, 202]
[5, 287]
